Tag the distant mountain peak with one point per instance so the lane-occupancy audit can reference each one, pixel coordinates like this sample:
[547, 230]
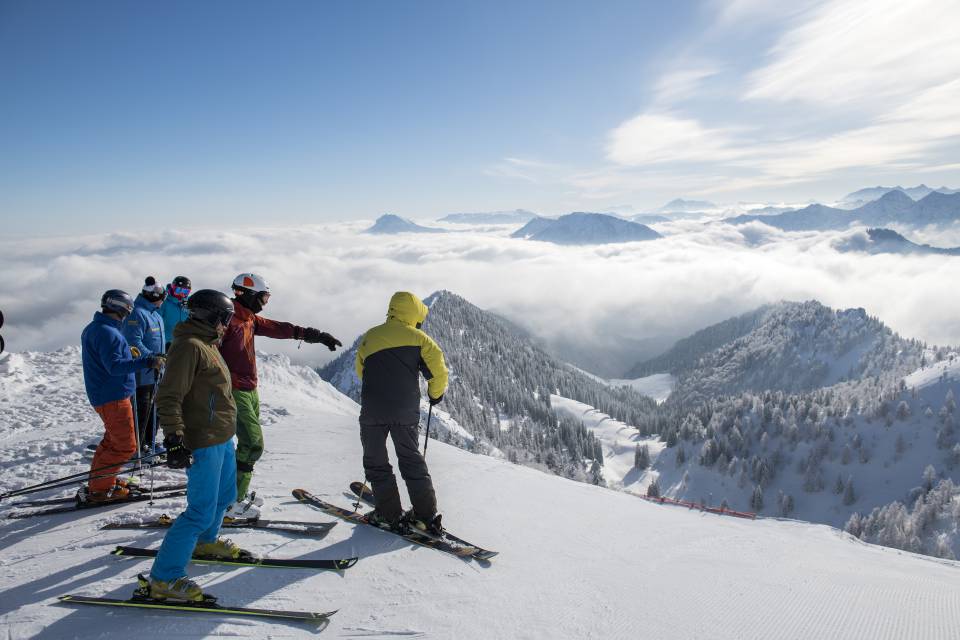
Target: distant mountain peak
[389, 223]
[687, 206]
[491, 217]
[583, 228]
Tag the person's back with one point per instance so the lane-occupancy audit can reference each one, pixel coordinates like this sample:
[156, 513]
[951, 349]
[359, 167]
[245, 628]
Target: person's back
[103, 348]
[389, 361]
[108, 376]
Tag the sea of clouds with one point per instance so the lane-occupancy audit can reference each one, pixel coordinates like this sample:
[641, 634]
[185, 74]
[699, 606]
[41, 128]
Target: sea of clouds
[604, 306]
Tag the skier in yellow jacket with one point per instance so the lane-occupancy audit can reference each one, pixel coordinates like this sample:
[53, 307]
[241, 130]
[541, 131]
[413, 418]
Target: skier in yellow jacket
[390, 358]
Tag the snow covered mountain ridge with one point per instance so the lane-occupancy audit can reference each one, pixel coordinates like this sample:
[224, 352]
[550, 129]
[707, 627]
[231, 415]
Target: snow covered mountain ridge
[789, 346]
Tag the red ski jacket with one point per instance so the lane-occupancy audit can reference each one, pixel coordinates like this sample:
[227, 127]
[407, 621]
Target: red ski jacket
[237, 347]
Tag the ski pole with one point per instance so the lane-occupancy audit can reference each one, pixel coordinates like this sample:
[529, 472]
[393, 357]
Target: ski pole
[68, 483]
[363, 489]
[136, 429]
[43, 485]
[427, 439]
[58, 484]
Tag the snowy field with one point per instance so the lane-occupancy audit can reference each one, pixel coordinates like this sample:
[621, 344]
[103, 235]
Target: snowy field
[658, 386]
[576, 561]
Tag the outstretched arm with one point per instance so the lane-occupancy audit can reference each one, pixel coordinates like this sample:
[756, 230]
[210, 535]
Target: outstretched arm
[274, 329]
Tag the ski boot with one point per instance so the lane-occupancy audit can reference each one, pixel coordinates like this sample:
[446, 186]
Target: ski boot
[377, 520]
[182, 589]
[221, 549]
[432, 527]
[115, 494]
[246, 509]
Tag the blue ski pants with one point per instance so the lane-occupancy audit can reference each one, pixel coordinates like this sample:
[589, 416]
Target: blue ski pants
[211, 488]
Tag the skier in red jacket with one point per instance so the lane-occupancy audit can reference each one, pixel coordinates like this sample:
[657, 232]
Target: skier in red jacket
[251, 294]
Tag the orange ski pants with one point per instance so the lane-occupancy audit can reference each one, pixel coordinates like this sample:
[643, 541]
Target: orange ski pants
[118, 445]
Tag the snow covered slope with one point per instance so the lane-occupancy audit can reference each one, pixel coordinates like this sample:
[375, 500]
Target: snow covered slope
[576, 561]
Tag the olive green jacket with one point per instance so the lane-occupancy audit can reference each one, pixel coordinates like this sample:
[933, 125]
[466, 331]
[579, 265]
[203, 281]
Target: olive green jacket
[195, 395]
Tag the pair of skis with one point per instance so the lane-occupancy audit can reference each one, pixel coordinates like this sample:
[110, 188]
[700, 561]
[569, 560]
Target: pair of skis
[446, 542]
[79, 502]
[313, 529]
[141, 597]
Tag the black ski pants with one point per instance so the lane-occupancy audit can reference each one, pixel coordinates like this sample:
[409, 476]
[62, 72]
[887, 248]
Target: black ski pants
[146, 415]
[413, 469]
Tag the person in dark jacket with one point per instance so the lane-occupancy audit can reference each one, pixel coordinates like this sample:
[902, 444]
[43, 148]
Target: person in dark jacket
[389, 360]
[143, 329]
[108, 375]
[174, 308]
[251, 294]
[198, 417]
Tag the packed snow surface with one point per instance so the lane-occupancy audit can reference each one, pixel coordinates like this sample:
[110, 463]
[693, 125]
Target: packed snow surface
[576, 561]
[657, 386]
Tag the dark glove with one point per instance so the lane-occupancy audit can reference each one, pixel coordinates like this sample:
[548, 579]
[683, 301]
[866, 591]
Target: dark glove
[156, 361]
[178, 456]
[435, 401]
[313, 336]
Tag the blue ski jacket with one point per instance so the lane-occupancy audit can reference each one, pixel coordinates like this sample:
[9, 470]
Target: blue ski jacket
[108, 367]
[143, 329]
[173, 313]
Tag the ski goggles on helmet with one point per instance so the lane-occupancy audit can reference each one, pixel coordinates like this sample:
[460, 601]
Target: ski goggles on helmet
[179, 292]
[225, 317]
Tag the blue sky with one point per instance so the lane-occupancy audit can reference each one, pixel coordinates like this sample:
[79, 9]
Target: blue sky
[125, 116]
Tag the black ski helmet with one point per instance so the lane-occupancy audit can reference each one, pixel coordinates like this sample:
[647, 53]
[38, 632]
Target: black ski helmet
[211, 307]
[182, 281]
[117, 301]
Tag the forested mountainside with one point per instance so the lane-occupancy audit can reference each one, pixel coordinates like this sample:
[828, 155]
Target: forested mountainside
[789, 346]
[500, 386]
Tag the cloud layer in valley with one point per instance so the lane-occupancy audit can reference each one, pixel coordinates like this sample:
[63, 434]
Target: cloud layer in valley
[608, 300]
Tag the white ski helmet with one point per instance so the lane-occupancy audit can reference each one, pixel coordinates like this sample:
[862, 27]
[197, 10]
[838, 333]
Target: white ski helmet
[251, 282]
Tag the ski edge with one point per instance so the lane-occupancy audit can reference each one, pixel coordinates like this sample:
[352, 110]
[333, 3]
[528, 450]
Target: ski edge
[338, 564]
[305, 616]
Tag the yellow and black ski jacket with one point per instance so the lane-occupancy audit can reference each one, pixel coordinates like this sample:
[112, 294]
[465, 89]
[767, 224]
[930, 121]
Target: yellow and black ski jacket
[390, 357]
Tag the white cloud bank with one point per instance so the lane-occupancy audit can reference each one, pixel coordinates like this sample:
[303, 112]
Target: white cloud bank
[335, 279]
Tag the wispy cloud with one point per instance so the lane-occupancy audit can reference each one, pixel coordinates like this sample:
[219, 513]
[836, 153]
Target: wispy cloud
[863, 53]
[680, 84]
[858, 87]
[652, 138]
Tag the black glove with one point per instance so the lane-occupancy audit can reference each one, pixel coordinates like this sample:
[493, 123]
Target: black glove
[313, 336]
[435, 401]
[178, 456]
[157, 361]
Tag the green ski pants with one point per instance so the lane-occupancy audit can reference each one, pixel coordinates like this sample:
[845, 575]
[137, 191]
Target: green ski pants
[249, 437]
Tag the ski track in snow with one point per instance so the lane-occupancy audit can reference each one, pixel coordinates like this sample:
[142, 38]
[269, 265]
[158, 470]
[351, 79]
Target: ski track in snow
[576, 561]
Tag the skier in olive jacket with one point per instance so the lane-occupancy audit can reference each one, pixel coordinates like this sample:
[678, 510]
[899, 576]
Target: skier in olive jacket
[198, 417]
[390, 358]
[251, 293]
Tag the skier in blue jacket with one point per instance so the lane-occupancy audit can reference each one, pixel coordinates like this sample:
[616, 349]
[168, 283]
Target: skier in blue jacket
[144, 331]
[174, 308]
[108, 375]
